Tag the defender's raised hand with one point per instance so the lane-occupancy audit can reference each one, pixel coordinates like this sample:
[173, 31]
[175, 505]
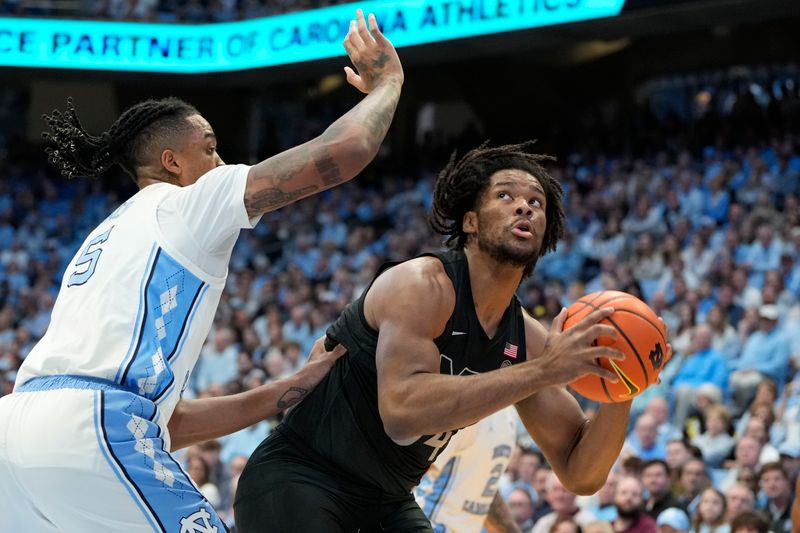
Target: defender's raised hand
[372, 54]
[569, 354]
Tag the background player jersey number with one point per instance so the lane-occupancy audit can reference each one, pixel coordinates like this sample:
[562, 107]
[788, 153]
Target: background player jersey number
[87, 261]
[491, 486]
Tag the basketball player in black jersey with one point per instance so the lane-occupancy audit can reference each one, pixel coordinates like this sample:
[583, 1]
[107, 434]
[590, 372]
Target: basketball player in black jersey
[435, 344]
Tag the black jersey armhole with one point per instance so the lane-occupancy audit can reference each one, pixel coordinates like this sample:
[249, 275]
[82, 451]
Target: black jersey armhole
[447, 258]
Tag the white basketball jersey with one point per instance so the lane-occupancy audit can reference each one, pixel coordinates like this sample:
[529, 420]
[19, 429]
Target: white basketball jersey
[457, 491]
[137, 301]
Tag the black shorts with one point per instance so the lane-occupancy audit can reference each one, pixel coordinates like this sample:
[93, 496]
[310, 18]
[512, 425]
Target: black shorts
[282, 492]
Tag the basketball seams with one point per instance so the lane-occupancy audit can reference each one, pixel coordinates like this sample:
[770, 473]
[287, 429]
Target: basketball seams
[634, 313]
[623, 296]
[597, 295]
[630, 311]
[604, 302]
[627, 340]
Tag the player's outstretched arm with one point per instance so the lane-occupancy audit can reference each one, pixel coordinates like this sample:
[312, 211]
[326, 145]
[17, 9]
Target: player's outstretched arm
[410, 305]
[202, 419]
[580, 449]
[350, 143]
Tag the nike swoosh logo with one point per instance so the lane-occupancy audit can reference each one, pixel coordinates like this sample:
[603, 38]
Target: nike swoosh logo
[459, 333]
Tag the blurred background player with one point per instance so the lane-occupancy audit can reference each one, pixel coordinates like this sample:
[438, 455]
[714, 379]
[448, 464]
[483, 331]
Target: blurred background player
[459, 492]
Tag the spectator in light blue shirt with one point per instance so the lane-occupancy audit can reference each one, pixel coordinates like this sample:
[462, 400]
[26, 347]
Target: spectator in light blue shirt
[703, 364]
[765, 354]
[218, 362]
[244, 441]
[764, 254]
[601, 241]
[790, 270]
[716, 199]
[643, 440]
[564, 264]
[297, 328]
[691, 196]
[305, 255]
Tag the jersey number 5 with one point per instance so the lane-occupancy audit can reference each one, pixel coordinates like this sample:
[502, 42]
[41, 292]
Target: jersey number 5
[87, 261]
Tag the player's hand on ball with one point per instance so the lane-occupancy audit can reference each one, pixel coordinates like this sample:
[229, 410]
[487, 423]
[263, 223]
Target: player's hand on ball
[373, 56]
[642, 337]
[669, 346]
[570, 354]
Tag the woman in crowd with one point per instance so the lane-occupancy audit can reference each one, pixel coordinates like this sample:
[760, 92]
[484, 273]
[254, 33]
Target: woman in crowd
[710, 515]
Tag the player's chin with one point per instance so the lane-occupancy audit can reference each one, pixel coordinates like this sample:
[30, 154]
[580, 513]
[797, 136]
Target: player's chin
[527, 249]
[521, 253]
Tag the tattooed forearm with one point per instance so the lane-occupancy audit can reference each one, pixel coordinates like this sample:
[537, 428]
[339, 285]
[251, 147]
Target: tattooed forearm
[264, 200]
[377, 116]
[326, 165]
[291, 397]
[378, 123]
[339, 154]
[282, 170]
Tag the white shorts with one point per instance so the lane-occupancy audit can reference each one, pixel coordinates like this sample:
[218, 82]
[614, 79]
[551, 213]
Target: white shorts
[82, 455]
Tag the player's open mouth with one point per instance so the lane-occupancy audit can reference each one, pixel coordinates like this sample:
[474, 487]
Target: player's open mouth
[522, 230]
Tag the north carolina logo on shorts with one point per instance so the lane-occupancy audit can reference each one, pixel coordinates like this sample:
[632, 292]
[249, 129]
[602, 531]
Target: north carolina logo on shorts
[198, 523]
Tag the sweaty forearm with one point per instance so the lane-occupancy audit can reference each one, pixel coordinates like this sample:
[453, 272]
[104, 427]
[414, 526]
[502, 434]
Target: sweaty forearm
[596, 447]
[207, 418]
[427, 403]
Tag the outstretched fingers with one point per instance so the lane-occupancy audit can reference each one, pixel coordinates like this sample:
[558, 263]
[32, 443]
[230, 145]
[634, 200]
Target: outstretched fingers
[363, 32]
[376, 32]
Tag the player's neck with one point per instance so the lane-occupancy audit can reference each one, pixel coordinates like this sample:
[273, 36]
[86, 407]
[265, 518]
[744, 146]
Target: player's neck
[493, 286]
[149, 175]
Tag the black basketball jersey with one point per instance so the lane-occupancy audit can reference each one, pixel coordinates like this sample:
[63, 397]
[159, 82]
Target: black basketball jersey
[339, 425]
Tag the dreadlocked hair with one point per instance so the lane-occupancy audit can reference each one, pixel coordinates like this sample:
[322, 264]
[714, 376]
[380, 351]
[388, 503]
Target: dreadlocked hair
[460, 185]
[76, 152]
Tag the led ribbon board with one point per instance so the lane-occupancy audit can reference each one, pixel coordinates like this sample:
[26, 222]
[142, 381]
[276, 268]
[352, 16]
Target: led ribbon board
[278, 40]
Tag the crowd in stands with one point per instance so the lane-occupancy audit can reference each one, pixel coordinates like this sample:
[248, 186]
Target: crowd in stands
[709, 238]
[188, 11]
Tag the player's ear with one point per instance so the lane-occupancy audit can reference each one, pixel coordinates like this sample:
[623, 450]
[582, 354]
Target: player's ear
[470, 223]
[170, 162]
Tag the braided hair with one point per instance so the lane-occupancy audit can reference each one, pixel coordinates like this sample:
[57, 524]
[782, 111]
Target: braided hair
[78, 153]
[460, 185]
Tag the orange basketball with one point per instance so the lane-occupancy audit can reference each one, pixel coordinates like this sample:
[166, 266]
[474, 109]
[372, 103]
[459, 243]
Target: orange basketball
[642, 338]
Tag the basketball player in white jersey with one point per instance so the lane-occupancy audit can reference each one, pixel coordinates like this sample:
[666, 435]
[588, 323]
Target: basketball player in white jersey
[459, 493]
[85, 438]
